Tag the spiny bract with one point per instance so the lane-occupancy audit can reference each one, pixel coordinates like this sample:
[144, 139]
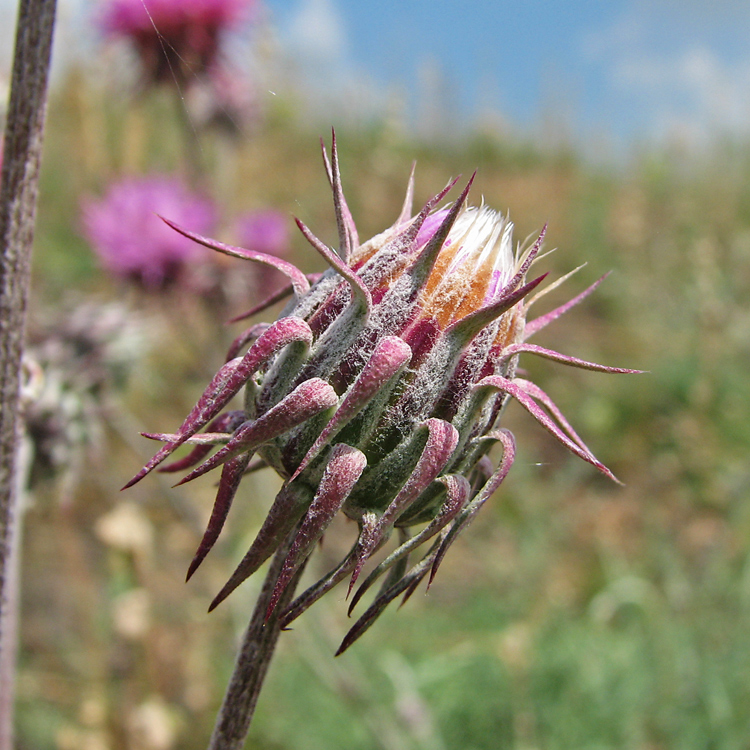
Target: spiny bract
[377, 393]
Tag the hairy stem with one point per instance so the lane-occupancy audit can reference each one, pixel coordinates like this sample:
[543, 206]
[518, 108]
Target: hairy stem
[258, 646]
[18, 190]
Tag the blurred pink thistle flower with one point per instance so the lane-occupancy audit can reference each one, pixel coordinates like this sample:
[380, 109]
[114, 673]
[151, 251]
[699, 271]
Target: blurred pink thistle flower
[174, 37]
[377, 393]
[130, 239]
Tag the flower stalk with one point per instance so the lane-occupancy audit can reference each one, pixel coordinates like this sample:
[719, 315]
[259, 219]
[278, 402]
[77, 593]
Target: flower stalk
[254, 658]
[18, 192]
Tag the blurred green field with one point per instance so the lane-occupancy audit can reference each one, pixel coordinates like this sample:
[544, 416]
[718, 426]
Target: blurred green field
[575, 614]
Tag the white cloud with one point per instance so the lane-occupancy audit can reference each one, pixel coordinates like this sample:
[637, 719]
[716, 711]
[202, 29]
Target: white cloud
[316, 41]
[694, 90]
[675, 67]
[317, 31]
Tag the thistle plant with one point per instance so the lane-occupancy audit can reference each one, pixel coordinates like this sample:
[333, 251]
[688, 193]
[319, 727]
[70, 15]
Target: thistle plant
[377, 393]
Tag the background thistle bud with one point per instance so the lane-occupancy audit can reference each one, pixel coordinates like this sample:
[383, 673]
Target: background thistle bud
[377, 393]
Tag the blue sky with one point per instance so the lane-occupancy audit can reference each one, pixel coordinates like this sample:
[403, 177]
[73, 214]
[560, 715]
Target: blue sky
[655, 70]
[614, 71]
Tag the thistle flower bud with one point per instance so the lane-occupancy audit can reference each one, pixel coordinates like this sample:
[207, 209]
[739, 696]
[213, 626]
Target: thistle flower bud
[377, 394]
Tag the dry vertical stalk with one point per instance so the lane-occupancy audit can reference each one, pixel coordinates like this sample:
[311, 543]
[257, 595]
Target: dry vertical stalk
[253, 660]
[18, 192]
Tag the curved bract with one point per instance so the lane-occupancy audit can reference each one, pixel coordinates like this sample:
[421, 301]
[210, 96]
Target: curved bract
[377, 394]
